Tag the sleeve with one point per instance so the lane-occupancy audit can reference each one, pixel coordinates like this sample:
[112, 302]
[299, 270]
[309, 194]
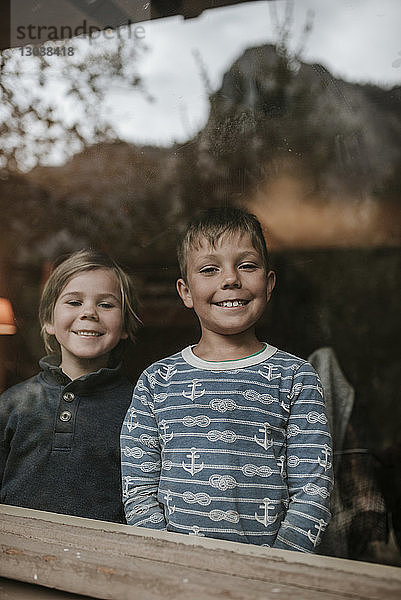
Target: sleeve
[141, 460]
[309, 465]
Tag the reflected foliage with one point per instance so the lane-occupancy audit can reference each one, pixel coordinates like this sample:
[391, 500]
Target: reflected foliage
[53, 106]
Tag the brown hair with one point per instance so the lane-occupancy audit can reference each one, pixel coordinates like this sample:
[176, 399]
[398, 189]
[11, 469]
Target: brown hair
[212, 224]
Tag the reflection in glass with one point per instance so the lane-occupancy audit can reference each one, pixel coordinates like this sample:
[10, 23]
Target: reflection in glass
[292, 109]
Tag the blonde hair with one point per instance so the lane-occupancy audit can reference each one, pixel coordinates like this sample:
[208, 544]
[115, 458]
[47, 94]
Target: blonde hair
[79, 262]
[211, 224]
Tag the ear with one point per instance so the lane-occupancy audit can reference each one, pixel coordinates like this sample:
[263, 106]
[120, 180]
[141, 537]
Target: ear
[271, 282]
[184, 293]
[124, 335]
[49, 328]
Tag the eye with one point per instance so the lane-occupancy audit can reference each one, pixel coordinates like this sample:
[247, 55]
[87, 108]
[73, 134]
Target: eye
[209, 270]
[74, 302]
[248, 266]
[105, 304]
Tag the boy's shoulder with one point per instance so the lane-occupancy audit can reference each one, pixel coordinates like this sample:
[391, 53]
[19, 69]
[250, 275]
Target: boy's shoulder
[22, 390]
[287, 357]
[167, 362]
[299, 366]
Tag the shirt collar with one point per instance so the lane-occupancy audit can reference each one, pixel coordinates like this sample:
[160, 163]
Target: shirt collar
[52, 373]
[227, 365]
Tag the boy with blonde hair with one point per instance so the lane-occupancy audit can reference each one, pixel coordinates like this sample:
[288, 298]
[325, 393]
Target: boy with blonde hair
[228, 438]
[59, 430]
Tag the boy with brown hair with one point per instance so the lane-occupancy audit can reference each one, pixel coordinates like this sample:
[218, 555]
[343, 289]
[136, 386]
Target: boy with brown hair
[228, 438]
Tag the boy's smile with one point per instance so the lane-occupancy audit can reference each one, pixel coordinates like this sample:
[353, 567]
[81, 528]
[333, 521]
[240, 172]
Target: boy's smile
[227, 286]
[88, 321]
[232, 303]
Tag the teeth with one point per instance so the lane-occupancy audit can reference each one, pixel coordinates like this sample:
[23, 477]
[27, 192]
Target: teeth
[232, 303]
[88, 333]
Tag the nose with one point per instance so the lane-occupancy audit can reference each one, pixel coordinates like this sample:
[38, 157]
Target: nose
[231, 279]
[89, 312]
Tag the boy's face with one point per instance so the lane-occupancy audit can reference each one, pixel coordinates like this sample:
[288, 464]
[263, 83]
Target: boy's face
[227, 286]
[87, 320]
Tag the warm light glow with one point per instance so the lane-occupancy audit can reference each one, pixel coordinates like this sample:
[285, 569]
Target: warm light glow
[7, 323]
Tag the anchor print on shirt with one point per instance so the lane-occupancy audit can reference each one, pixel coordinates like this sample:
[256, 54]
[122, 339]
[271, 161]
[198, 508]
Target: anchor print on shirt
[265, 518]
[320, 526]
[131, 420]
[193, 468]
[193, 394]
[160, 397]
[166, 437]
[325, 461]
[281, 466]
[266, 443]
[269, 373]
[167, 373]
[196, 531]
[168, 497]
[285, 406]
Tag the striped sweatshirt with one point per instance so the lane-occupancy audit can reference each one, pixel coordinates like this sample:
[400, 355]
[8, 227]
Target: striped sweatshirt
[238, 450]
